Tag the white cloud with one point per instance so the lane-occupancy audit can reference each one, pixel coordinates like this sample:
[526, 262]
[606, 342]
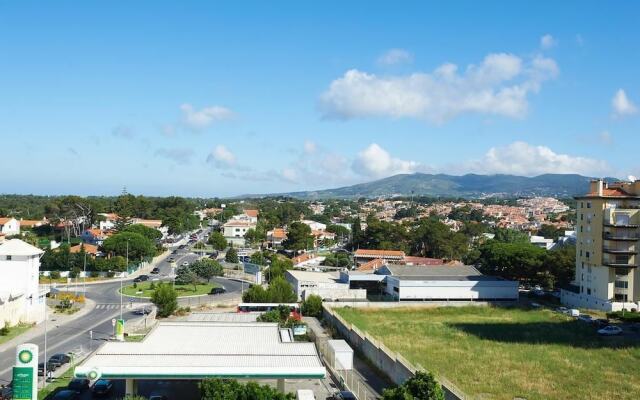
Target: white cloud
[395, 56]
[201, 119]
[376, 162]
[520, 158]
[547, 42]
[122, 131]
[499, 85]
[621, 104]
[222, 157]
[178, 155]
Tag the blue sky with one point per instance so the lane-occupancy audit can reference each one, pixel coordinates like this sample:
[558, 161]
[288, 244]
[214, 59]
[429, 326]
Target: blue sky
[203, 99]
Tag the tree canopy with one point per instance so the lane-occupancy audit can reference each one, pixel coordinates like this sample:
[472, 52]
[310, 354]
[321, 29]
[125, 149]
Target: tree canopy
[298, 237]
[138, 246]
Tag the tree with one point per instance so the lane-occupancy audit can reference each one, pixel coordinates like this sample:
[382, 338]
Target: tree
[278, 267]
[150, 233]
[166, 299]
[340, 231]
[298, 237]
[421, 386]
[507, 235]
[139, 246]
[312, 306]
[231, 256]
[258, 258]
[228, 389]
[255, 294]
[207, 268]
[217, 240]
[280, 291]
[186, 276]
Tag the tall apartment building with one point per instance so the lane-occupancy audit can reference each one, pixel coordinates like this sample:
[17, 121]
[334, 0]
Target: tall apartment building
[608, 239]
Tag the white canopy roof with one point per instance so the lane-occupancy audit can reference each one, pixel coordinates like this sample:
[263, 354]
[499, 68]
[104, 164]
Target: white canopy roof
[16, 247]
[194, 350]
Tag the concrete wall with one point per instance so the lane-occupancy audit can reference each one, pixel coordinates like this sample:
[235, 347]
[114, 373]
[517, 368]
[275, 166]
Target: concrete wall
[415, 304]
[582, 300]
[335, 294]
[391, 363]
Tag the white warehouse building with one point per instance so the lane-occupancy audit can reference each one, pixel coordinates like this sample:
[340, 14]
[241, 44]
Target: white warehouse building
[322, 284]
[435, 283]
[21, 299]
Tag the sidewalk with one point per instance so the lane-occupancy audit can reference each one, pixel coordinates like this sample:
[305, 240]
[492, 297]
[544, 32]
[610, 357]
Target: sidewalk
[54, 321]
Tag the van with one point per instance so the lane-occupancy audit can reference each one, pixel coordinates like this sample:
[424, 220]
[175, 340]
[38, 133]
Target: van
[305, 394]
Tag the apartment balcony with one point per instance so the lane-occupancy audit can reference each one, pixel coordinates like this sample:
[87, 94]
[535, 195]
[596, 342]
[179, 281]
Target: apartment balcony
[628, 236]
[628, 251]
[617, 264]
[618, 225]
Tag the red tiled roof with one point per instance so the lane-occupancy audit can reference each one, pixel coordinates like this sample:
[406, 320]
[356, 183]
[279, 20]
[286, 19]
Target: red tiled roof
[279, 233]
[371, 265]
[423, 260]
[303, 257]
[610, 192]
[88, 248]
[4, 220]
[378, 253]
[251, 213]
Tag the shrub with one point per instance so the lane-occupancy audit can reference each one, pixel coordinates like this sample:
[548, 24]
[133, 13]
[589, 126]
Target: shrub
[421, 386]
[54, 275]
[4, 331]
[166, 299]
[135, 285]
[152, 286]
[312, 306]
[223, 389]
[94, 274]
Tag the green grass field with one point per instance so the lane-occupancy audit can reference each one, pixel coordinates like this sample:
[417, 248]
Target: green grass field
[502, 353]
[183, 290]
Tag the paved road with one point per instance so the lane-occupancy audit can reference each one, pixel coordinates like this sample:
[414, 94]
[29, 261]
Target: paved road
[74, 336]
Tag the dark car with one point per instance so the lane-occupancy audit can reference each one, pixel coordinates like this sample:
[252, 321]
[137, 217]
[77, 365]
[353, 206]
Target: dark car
[141, 278]
[218, 290]
[156, 270]
[6, 392]
[345, 395]
[60, 359]
[50, 367]
[66, 395]
[142, 311]
[102, 387]
[78, 384]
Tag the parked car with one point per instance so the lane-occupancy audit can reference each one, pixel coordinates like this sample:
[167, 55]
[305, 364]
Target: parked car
[171, 259]
[66, 395]
[6, 392]
[60, 359]
[610, 330]
[343, 395]
[156, 270]
[102, 387]
[600, 322]
[158, 396]
[585, 318]
[78, 384]
[50, 367]
[141, 278]
[218, 290]
[563, 310]
[142, 311]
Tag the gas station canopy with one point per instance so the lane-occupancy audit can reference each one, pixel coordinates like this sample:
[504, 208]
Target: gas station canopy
[197, 350]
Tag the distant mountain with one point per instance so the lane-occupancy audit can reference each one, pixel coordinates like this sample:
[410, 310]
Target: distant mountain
[469, 186]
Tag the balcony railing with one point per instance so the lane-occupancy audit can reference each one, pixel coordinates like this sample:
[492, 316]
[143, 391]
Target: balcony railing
[619, 251]
[616, 264]
[617, 225]
[620, 236]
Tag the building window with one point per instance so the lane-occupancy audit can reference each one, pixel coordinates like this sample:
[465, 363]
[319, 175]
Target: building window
[587, 254]
[622, 284]
[582, 264]
[580, 252]
[582, 204]
[580, 228]
[581, 216]
[588, 204]
[588, 291]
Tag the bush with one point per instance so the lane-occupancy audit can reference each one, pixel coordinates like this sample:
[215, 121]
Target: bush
[54, 274]
[312, 306]
[111, 274]
[74, 273]
[4, 331]
[422, 386]
[152, 286]
[627, 317]
[166, 299]
[231, 256]
[135, 285]
[94, 274]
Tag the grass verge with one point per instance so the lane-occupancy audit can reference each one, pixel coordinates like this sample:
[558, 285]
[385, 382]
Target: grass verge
[183, 290]
[14, 331]
[502, 353]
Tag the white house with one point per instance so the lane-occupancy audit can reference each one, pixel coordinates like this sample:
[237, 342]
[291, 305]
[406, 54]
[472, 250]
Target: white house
[21, 299]
[315, 226]
[322, 284]
[235, 229]
[9, 226]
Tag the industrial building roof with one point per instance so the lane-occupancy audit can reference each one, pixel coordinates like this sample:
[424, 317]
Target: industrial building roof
[432, 271]
[179, 350]
[312, 276]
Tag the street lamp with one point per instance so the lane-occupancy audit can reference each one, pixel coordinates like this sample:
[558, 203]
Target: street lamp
[127, 268]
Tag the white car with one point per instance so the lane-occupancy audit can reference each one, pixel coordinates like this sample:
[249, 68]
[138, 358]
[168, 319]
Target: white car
[610, 330]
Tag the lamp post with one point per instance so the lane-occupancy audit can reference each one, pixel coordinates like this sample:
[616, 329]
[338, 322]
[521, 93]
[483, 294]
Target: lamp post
[127, 269]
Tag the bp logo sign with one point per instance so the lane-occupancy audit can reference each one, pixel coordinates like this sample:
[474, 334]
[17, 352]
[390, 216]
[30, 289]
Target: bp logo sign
[93, 374]
[25, 356]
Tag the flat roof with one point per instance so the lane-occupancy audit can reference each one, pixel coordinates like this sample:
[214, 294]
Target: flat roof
[432, 270]
[196, 350]
[474, 278]
[312, 276]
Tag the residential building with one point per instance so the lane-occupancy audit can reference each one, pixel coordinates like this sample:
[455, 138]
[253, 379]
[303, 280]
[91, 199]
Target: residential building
[94, 236]
[607, 276]
[322, 284]
[315, 226]
[235, 229]
[90, 249]
[541, 241]
[21, 299]
[276, 236]
[9, 226]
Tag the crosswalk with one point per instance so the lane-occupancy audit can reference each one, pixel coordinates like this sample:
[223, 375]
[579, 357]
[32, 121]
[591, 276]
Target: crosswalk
[107, 306]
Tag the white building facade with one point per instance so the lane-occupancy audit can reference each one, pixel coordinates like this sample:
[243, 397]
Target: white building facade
[9, 226]
[21, 299]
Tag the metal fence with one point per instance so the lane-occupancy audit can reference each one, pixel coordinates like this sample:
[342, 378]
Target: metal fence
[346, 379]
